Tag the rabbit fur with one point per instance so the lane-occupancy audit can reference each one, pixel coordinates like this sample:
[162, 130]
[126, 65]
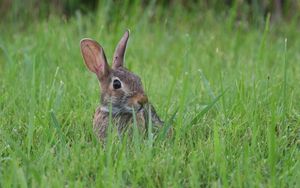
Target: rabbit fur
[122, 93]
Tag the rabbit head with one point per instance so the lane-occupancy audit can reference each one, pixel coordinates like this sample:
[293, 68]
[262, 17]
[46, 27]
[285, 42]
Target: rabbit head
[121, 89]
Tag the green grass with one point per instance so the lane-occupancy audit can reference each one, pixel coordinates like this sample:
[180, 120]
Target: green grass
[233, 91]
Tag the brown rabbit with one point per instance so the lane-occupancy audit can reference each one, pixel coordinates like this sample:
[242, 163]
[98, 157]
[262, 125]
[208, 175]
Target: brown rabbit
[121, 90]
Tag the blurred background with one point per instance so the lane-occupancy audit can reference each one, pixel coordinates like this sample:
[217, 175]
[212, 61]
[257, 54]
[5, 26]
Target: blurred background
[251, 11]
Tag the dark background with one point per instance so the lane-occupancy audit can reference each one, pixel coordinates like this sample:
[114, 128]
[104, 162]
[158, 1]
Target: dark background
[252, 11]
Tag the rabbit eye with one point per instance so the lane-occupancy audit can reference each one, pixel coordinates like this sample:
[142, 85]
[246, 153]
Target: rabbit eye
[117, 84]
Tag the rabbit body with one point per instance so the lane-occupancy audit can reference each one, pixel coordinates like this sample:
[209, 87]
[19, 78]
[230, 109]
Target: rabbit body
[123, 121]
[122, 93]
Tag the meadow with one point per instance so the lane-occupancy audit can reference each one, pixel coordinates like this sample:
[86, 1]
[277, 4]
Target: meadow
[230, 90]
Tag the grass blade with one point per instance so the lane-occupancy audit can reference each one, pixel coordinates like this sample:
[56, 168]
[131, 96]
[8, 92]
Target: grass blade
[207, 108]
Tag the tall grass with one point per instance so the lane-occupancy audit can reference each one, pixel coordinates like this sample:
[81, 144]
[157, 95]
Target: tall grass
[230, 90]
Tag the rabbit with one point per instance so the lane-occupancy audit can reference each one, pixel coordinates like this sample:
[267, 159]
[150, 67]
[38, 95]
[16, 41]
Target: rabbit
[122, 93]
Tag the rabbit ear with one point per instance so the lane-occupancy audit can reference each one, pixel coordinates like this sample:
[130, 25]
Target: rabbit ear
[94, 57]
[118, 60]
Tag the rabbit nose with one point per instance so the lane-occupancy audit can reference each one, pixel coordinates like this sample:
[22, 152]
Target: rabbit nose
[142, 99]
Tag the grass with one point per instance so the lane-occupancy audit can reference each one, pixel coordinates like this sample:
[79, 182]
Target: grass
[231, 89]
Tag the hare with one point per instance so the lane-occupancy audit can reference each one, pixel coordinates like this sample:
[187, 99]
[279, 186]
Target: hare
[122, 93]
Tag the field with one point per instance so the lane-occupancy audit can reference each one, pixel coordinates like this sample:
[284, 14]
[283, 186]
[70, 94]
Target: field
[230, 90]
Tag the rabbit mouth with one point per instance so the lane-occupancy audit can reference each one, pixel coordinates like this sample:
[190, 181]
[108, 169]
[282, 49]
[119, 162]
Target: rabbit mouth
[118, 110]
[140, 108]
[136, 109]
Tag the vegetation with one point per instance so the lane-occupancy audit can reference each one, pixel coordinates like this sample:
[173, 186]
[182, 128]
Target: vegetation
[228, 87]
